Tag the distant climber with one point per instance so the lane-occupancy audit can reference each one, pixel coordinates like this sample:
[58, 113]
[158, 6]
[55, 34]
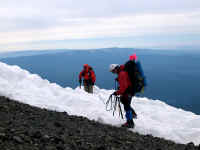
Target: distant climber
[89, 78]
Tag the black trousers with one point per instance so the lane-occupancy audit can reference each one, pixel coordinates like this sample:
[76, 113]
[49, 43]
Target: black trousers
[126, 101]
[88, 86]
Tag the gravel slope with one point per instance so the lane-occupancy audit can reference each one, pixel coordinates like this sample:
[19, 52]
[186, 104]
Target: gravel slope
[23, 127]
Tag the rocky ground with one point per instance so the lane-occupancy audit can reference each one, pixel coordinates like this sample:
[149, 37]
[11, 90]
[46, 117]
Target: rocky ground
[23, 127]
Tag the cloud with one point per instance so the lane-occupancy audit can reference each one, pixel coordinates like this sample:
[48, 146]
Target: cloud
[91, 8]
[48, 20]
[108, 27]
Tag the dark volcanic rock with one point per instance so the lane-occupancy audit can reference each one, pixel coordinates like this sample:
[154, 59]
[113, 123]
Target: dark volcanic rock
[23, 127]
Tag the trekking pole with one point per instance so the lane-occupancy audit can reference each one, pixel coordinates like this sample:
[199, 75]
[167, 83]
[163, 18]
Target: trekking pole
[115, 84]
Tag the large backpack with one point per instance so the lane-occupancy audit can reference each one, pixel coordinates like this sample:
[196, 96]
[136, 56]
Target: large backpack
[136, 76]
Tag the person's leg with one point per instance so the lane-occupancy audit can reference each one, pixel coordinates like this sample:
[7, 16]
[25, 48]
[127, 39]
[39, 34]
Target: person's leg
[90, 89]
[126, 101]
[134, 113]
[86, 87]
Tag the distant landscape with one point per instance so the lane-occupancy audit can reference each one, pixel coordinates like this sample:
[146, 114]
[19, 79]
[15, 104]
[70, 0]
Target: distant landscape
[172, 76]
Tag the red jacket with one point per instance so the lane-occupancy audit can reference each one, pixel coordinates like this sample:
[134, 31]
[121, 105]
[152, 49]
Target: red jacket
[123, 80]
[87, 74]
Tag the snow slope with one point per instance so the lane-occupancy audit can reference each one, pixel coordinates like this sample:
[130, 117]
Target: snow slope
[154, 116]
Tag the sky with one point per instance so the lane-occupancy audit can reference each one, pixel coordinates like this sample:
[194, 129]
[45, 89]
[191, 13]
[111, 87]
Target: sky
[78, 24]
[153, 116]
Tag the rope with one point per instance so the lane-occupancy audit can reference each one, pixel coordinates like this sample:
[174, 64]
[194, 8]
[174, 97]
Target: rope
[112, 104]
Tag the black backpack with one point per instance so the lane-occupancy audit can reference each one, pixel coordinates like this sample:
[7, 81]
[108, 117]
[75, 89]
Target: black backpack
[136, 76]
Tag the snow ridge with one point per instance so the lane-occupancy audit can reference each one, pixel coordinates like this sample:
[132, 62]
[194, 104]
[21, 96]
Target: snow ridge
[154, 116]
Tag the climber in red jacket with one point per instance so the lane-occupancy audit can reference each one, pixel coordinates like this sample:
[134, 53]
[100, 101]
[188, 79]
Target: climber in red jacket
[125, 92]
[89, 78]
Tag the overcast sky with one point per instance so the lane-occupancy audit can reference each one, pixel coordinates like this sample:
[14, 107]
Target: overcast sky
[51, 24]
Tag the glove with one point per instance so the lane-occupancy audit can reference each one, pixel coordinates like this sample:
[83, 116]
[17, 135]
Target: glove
[92, 83]
[114, 93]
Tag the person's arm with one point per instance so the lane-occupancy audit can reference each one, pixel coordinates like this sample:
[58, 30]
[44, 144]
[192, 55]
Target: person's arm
[123, 83]
[93, 77]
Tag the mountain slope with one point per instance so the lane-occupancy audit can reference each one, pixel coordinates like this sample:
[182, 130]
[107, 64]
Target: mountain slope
[154, 116]
[31, 128]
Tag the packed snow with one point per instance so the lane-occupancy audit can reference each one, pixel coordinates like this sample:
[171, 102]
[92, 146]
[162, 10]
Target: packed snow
[154, 116]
